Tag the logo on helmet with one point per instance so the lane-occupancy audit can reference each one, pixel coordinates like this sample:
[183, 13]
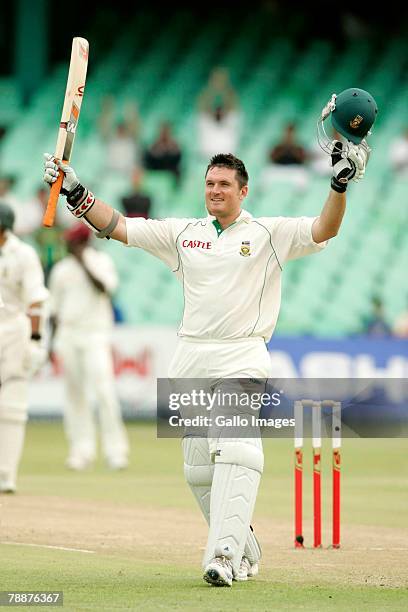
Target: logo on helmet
[354, 123]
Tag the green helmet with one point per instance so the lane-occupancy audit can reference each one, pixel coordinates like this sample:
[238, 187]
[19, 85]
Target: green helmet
[354, 114]
[7, 216]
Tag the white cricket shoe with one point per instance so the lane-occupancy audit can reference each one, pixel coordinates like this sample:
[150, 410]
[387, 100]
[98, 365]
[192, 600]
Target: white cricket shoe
[117, 463]
[7, 483]
[246, 570]
[77, 463]
[219, 572]
[6, 486]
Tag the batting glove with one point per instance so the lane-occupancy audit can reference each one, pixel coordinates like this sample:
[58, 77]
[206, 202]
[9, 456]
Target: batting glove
[344, 169]
[79, 199]
[359, 155]
[52, 167]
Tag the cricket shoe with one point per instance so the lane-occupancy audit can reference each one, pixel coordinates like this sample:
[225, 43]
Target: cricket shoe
[78, 464]
[246, 570]
[219, 572]
[117, 463]
[7, 487]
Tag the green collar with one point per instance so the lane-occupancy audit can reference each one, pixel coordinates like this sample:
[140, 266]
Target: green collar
[219, 228]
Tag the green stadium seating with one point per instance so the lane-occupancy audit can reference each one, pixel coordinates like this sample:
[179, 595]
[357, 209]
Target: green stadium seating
[279, 79]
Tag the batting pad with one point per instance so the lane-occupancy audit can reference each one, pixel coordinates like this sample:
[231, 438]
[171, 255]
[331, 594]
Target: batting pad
[11, 447]
[13, 398]
[252, 549]
[199, 473]
[237, 473]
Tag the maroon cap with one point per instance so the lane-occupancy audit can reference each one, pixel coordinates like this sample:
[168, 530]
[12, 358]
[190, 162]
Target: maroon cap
[78, 233]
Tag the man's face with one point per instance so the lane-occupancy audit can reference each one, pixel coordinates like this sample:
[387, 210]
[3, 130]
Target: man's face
[223, 195]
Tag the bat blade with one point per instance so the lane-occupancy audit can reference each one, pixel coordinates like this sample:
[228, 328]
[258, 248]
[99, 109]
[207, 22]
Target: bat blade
[69, 118]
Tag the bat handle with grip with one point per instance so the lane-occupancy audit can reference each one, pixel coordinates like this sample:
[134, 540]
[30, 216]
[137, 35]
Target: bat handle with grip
[49, 215]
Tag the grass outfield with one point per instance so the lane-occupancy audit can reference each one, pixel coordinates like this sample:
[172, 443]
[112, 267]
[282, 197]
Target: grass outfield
[134, 540]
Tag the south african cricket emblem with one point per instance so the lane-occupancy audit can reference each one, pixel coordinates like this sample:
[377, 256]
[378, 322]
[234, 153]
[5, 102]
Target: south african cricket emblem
[245, 248]
[354, 123]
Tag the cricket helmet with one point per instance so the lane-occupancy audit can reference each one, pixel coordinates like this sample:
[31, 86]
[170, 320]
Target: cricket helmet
[7, 216]
[352, 112]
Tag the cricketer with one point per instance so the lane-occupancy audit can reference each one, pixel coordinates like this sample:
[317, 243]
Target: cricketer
[22, 348]
[229, 264]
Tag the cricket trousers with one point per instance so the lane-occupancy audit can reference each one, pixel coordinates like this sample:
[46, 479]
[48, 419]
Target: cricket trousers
[224, 470]
[89, 380]
[14, 346]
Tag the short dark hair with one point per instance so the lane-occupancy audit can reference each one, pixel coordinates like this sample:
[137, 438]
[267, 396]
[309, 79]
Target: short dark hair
[227, 160]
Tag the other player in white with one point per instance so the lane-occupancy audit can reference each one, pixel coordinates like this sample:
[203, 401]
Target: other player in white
[229, 264]
[22, 350]
[81, 285]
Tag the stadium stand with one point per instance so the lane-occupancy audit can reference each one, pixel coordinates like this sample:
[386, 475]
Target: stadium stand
[279, 79]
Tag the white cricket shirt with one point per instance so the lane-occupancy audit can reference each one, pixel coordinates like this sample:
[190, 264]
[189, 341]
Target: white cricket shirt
[21, 277]
[231, 280]
[78, 305]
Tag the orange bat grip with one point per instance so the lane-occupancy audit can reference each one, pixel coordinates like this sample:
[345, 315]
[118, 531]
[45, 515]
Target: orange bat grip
[49, 215]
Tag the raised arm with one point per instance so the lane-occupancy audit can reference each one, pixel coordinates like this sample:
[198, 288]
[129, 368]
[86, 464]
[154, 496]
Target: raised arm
[327, 225]
[101, 215]
[104, 220]
[346, 166]
[352, 114]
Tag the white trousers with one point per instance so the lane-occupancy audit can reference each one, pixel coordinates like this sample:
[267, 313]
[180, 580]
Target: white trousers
[14, 343]
[219, 469]
[244, 358]
[88, 372]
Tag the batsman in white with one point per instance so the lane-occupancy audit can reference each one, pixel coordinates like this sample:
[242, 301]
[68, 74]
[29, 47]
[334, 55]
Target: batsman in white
[22, 347]
[230, 265]
[81, 285]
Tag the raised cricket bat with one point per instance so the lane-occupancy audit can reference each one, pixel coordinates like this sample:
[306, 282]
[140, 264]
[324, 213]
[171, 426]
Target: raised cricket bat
[69, 119]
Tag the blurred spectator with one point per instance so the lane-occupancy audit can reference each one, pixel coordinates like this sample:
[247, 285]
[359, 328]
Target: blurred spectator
[400, 328]
[164, 153]
[286, 161]
[137, 203]
[32, 212]
[399, 154]
[121, 137]
[375, 323]
[7, 183]
[81, 286]
[3, 131]
[218, 92]
[7, 196]
[219, 119]
[288, 152]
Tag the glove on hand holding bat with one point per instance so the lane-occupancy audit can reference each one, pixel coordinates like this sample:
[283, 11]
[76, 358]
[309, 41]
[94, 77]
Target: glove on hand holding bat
[51, 174]
[79, 199]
